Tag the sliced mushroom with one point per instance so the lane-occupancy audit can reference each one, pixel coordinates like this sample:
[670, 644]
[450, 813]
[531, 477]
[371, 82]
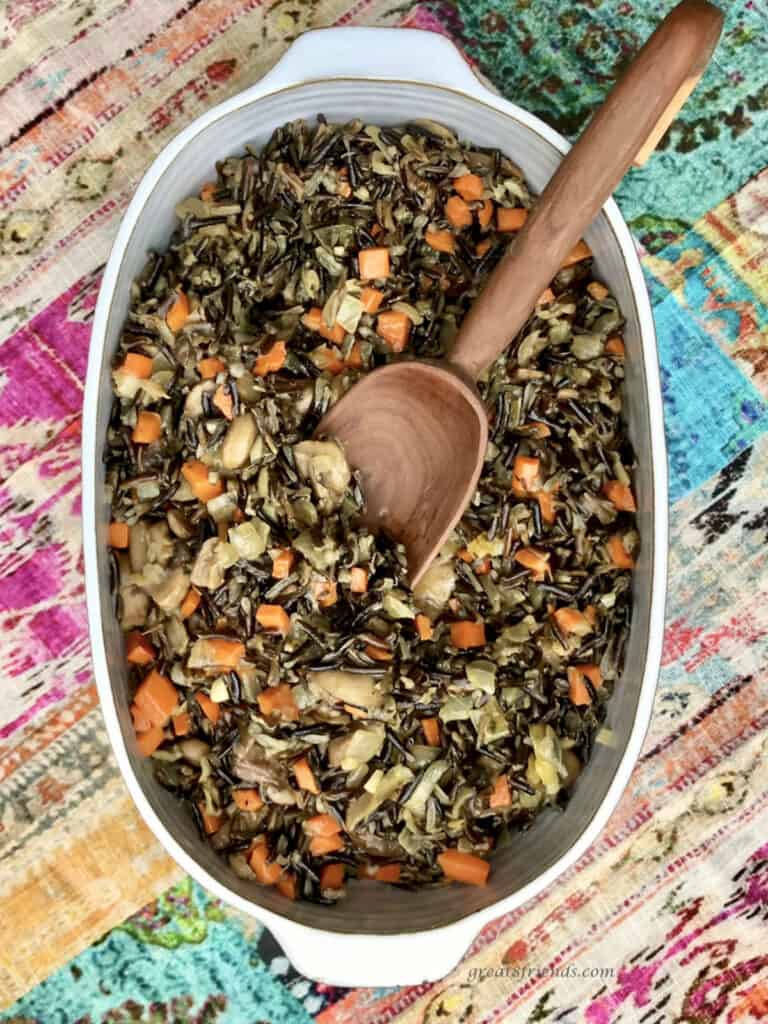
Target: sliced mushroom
[357, 747]
[238, 441]
[213, 560]
[347, 688]
[324, 465]
[135, 606]
[169, 594]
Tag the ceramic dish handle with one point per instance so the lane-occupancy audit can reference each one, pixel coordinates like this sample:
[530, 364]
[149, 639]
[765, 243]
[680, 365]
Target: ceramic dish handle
[411, 55]
[373, 961]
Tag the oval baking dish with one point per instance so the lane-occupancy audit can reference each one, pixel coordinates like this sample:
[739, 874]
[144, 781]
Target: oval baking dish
[380, 935]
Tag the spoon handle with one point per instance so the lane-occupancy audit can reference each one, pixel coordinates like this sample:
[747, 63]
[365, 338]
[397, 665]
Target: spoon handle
[625, 129]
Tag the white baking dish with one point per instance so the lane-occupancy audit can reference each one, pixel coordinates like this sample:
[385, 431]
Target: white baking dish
[380, 935]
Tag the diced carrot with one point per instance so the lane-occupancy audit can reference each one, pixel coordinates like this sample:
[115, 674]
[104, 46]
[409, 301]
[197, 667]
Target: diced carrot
[248, 799]
[279, 701]
[458, 213]
[137, 365]
[482, 247]
[274, 618]
[469, 186]
[485, 213]
[355, 357]
[377, 653]
[222, 399]
[313, 318]
[354, 712]
[138, 650]
[190, 603]
[388, 873]
[177, 315]
[282, 563]
[577, 690]
[590, 614]
[325, 592]
[148, 428]
[270, 361]
[211, 822]
[615, 347]
[539, 429]
[374, 263]
[140, 721]
[196, 475]
[511, 219]
[620, 495]
[424, 627]
[571, 620]
[465, 555]
[597, 290]
[358, 580]
[319, 846]
[332, 876]
[535, 560]
[525, 475]
[322, 825]
[546, 297]
[371, 299]
[208, 191]
[286, 883]
[440, 241]
[326, 358]
[464, 867]
[305, 776]
[375, 230]
[484, 566]
[395, 328]
[314, 321]
[211, 709]
[500, 795]
[431, 729]
[148, 742]
[268, 873]
[156, 697]
[546, 500]
[119, 535]
[218, 652]
[579, 252]
[210, 367]
[467, 633]
[618, 554]
[181, 723]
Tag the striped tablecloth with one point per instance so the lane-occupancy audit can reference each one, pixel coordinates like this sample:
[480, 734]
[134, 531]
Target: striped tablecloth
[665, 918]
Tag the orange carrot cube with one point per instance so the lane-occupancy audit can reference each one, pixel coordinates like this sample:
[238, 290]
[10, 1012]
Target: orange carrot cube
[138, 650]
[374, 264]
[148, 428]
[177, 315]
[469, 186]
[394, 327]
[511, 219]
[467, 633]
[137, 365]
[119, 535]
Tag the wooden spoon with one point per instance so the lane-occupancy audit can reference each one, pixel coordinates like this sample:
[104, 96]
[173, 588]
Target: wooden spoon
[417, 431]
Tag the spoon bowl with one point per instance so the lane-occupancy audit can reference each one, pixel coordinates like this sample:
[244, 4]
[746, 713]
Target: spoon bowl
[418, 434]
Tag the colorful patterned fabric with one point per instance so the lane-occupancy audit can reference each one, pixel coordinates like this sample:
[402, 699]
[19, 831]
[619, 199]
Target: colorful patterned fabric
[665, 918]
